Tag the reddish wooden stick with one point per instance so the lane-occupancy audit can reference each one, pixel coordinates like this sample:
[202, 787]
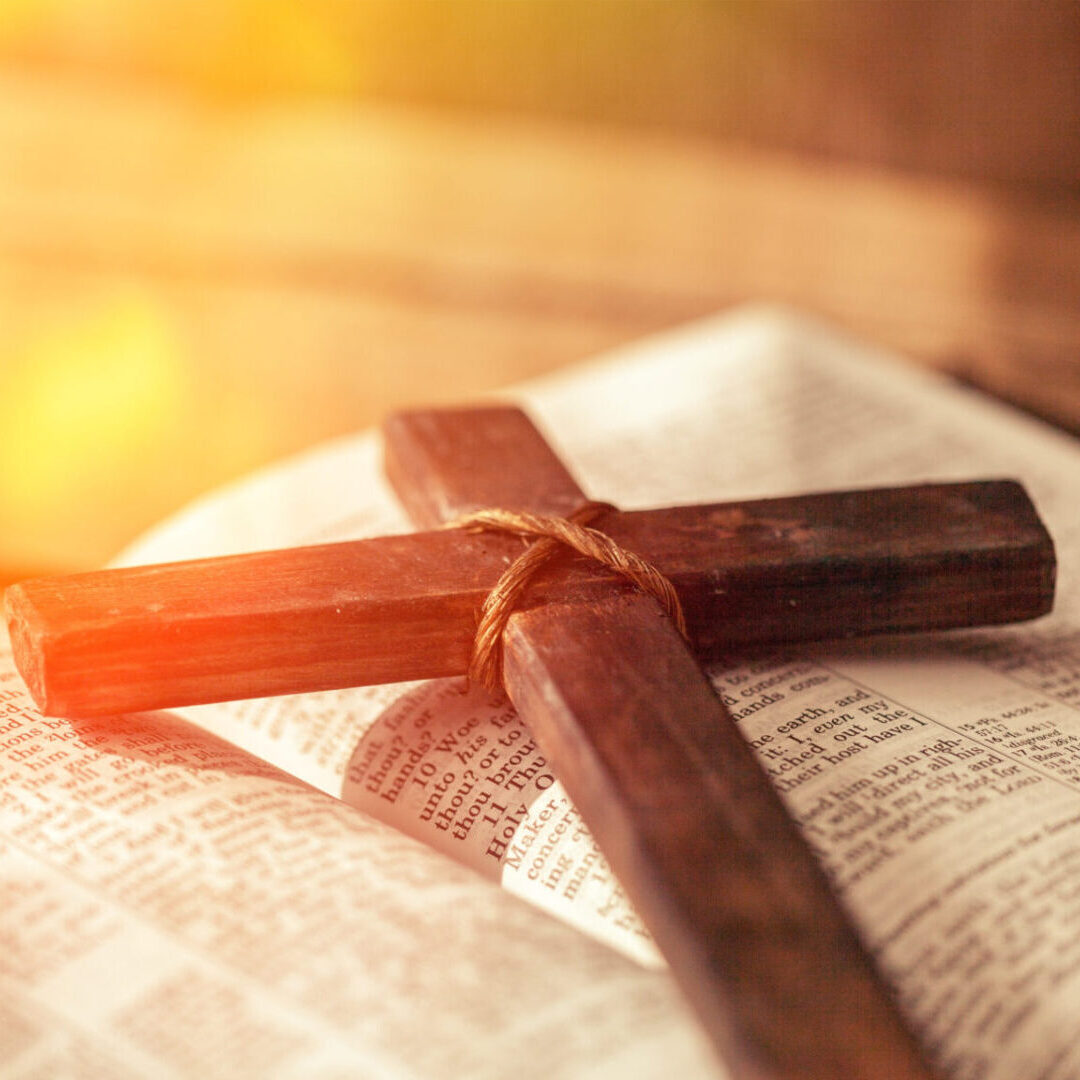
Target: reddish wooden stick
[403, 607]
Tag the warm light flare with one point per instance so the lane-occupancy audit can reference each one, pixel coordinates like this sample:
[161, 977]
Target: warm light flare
[20, 15]
[83, 403]
[228, 48]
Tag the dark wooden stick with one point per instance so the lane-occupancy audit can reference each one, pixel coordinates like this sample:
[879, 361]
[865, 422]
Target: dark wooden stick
[680, 807]
[702, 845]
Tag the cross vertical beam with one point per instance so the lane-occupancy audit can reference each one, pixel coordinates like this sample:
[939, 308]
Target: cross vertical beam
[688, 820]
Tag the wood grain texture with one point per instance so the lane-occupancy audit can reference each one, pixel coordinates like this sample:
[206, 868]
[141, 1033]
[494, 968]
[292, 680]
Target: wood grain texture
[443, 463]
[398, 608]
[702, 845]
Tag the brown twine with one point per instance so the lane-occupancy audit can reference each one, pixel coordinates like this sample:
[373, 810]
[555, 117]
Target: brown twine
[550, 535]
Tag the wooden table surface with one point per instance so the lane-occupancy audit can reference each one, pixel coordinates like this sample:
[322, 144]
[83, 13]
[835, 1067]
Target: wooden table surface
[188, 291]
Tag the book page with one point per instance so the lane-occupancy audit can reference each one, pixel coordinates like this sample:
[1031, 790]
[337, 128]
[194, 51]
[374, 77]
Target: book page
[936, 777]
[171, 906]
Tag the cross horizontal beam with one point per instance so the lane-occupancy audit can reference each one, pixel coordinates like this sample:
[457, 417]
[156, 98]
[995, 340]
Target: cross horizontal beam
[404, 607]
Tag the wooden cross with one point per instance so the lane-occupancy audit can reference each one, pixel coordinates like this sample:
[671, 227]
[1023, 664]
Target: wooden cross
[644, 747]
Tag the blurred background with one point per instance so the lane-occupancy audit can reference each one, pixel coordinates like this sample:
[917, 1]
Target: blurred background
[231, 229]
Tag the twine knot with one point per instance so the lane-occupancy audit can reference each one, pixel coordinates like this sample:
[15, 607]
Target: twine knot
[550, 535]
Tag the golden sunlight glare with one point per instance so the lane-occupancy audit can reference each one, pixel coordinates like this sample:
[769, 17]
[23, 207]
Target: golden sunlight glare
[84, 402]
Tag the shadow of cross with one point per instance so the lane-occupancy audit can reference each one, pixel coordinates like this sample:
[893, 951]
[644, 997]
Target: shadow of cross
[676, 800]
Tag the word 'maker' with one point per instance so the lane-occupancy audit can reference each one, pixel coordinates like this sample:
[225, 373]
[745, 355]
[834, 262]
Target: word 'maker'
[676, 800]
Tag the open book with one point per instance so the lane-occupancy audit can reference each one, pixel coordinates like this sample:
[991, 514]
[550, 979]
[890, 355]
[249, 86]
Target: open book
[390, 881]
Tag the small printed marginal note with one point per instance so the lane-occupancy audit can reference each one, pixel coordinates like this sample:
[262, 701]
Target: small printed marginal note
[1036, 724]
[1027, 736]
